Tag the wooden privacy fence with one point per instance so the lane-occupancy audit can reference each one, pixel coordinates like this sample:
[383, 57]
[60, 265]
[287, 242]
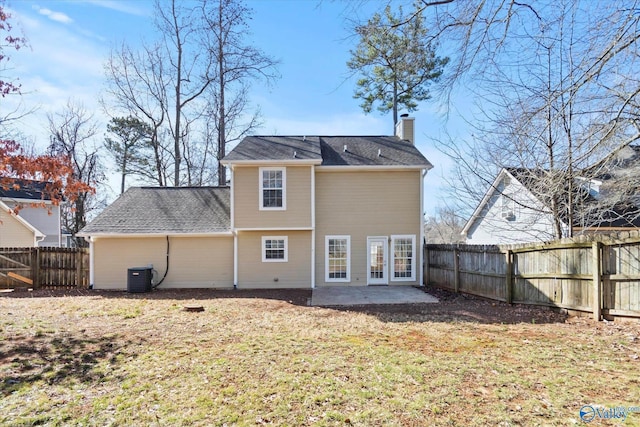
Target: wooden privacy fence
[49, 268]
[599, 277]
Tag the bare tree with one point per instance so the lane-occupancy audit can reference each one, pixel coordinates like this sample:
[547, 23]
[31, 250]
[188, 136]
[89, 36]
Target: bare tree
[444, 227]
[557, 94]
[136, 85]
[227, 23]
[10, 86]
[196, 72]
[72, 137]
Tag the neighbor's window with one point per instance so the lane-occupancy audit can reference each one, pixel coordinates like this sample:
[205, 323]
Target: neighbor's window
[272, 188]
[274, 249]
[337, 258]
[404, 257]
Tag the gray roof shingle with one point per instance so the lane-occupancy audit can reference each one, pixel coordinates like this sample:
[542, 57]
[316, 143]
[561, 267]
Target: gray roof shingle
[27, 189]
[330, 150]
[276, 148]
[165, 210]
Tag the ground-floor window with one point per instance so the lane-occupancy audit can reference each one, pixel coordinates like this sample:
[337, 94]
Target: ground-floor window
[274, 249]
[337, 258]
[403, 252]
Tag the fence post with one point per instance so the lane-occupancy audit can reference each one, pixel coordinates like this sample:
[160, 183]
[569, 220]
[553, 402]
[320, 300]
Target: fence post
[79, 256]
[597, 281]
[425, 259]
[509, 276]
[456, 270]
[35, 267]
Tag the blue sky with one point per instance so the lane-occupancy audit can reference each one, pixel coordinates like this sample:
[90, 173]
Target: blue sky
[70, 40]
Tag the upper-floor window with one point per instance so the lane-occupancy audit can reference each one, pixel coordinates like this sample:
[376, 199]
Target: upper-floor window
[273, 189]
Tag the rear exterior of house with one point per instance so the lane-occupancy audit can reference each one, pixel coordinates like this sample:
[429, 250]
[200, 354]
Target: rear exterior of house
[300, 212]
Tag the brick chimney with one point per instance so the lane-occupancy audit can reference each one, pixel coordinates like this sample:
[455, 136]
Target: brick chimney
[405, 128]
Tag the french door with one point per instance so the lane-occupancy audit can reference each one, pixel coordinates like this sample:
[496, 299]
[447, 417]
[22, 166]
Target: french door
[377, 265]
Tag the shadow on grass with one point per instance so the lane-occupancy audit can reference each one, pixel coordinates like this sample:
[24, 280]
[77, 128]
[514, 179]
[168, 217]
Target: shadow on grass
[460, 308]
[54, 359]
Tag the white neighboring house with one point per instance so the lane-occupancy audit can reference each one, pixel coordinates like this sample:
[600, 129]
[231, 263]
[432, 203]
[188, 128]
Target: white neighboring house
[509, 213]
[37, 222]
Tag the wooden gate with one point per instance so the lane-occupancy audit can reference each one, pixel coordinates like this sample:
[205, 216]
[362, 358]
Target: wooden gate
[15, 267]
[50, 268]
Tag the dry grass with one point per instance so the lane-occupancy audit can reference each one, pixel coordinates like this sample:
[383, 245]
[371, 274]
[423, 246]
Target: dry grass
[117, 359]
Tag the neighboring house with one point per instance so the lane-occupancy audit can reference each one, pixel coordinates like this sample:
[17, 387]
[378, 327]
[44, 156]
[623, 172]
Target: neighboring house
[509, 212]
[512, 210]
[37, 222]
[300, 212]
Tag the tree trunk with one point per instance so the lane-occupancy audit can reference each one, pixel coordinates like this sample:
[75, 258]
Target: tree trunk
[222, 173]
[124, 169]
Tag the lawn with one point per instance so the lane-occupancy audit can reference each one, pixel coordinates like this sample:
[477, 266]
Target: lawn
[257, 358]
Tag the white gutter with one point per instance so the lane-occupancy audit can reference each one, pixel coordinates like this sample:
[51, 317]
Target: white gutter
[271, 162]
[26, 201]
[371, 168]
[141, 235]
[275, 229]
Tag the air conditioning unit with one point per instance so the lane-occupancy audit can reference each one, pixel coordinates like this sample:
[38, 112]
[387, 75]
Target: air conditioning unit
[508, 215]
[139, 279]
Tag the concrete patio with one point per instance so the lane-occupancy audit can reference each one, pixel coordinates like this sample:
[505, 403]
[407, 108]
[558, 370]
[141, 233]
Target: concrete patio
[366, 295]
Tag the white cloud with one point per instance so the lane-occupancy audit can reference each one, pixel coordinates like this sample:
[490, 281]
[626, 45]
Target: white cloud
[54, 16]
[128, 7]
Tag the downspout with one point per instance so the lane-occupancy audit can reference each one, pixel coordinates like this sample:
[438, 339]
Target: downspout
[59, 228]
[91, 262]
[313, 227]
[232, 224]
[422, 242]
[235, 260]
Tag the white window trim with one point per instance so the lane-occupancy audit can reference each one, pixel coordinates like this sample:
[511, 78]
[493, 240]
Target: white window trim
[284, 189]
[392, 272]
[326, 259]
[286, 248]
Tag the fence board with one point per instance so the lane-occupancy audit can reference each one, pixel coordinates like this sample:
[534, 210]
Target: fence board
[560, 274]
[49, 268]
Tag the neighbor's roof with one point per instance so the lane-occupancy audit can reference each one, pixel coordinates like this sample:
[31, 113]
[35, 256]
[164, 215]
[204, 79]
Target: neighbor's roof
[165, 210]
[330, 150]
[27, 189]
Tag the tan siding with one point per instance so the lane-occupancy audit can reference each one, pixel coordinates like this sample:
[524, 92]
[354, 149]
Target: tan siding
[246, 199]
[362, 204]
[194, 262]
[253, 273]
[13, 233]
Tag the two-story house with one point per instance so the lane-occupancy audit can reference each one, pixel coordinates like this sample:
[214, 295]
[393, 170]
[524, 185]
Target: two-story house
[300, 212]
[28, 217]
